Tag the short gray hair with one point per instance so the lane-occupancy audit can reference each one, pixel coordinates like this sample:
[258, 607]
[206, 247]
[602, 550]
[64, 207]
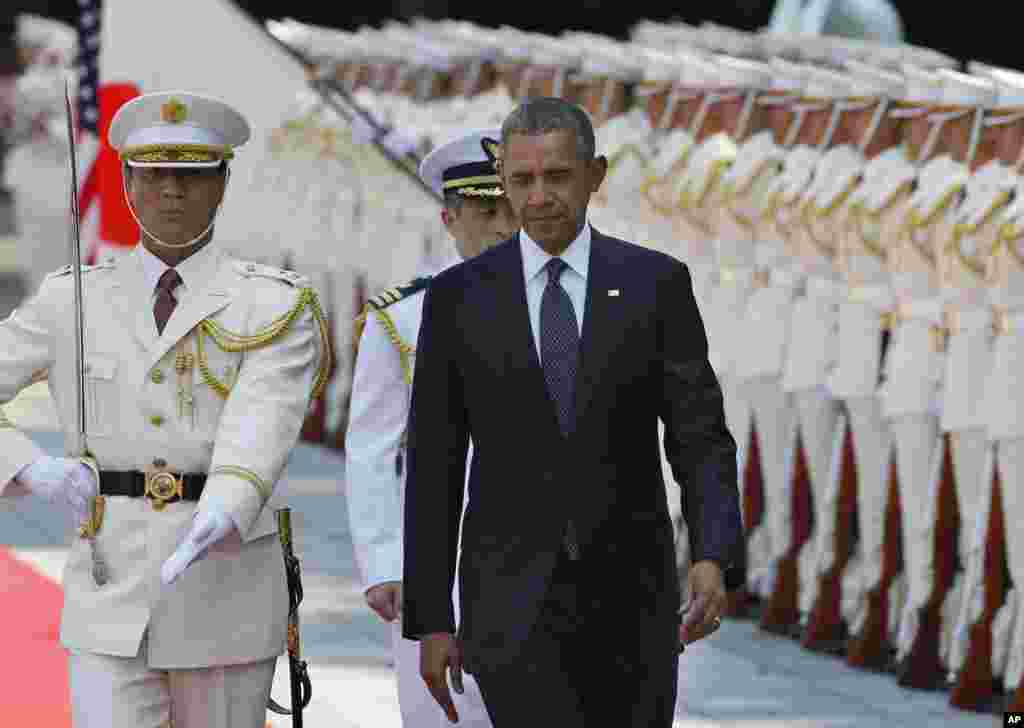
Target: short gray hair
[545, 114]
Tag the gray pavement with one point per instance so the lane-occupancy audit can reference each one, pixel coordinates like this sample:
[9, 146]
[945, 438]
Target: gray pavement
[739, 677]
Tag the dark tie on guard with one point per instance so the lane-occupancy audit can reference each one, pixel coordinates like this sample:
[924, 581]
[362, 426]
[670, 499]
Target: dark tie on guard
[560, 350]
[165, 302]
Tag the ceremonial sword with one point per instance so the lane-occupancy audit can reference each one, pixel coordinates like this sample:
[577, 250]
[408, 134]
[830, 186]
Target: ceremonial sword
[81, 448]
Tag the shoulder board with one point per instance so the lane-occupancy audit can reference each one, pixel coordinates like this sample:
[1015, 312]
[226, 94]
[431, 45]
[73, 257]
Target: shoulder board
[390, 296]
[66, 270]
[938, 183]
[838, 173]
[752, 158]
[884, 177]
[259, 270]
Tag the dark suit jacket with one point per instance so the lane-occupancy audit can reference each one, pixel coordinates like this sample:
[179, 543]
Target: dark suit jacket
[643, 357]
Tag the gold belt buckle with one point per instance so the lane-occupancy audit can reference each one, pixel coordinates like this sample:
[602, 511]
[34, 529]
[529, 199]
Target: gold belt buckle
[162, 485]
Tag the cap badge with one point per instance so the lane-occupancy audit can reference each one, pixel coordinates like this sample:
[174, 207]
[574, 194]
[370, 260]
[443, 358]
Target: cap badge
[492, 148]
[173, 112]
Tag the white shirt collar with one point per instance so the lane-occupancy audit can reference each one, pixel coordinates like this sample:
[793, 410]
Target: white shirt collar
[189, 269]
[577, 255]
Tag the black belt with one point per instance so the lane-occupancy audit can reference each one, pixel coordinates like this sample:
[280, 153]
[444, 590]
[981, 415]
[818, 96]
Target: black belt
[133, 485]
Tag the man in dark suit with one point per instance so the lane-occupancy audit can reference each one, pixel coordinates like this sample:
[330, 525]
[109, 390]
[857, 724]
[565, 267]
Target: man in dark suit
[557, 352]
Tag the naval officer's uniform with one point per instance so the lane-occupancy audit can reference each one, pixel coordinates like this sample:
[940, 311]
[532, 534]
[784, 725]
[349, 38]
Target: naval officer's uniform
[375, 442]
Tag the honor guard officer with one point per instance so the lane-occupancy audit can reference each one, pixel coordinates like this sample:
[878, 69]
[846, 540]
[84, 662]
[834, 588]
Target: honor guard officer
[199, 370]
[478, 217]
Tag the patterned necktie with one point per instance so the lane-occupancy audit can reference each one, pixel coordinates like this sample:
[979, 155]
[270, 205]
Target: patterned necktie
[559, 353]
[165, 301]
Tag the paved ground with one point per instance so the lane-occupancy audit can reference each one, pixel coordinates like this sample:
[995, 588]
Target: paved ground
[738, 678]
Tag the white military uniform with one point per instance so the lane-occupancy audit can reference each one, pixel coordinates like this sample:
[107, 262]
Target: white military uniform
[735, 252]
[752, 181]
[1003, 405]
[202, 650]
[222, 392]
[863, 318]
[860, 321]
[914, 366]
[981, 241]
[771, 392]
[812, 352]
[375, 449]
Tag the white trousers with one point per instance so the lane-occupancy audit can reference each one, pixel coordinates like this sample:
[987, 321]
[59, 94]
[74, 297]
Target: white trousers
[818, 415]
[916, 438]
[872, 449]
[969, 448]
[417, 705]
[1010, 461]
[775, 418]
[124, 692]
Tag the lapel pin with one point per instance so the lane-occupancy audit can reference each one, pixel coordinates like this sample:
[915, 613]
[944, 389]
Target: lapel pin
[613, 291]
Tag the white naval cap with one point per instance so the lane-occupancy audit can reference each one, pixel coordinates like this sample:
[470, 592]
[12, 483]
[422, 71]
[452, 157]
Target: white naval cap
[924, 89]
[868, 80]
[787, 82]
[177, 129]
[927, 57]
[823, 83]
[961, 89]
[466, 165]
[659, 66]
[1009, 107]
[742, 72]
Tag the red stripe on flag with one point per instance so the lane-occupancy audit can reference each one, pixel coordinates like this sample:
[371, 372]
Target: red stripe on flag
[117, 226]
[34, 677]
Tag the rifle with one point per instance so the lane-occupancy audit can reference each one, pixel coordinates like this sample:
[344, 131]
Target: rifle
[302, 688]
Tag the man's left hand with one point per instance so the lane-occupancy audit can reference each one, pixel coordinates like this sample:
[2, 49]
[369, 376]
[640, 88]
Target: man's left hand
[209, 526]
[707, 602]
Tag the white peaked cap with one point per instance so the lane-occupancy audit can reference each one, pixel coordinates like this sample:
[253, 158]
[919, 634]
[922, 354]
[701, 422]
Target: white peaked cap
[177, 129]
[823, 83]
[697, 71]
[743, 73]
[787, 76]
[869, 80]
[659, 65]
[960, 89]
[463, 165]
[922, 85]
[927, 57]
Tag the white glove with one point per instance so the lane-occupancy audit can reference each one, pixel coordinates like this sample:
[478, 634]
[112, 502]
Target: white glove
[61, 480]
[209, 526]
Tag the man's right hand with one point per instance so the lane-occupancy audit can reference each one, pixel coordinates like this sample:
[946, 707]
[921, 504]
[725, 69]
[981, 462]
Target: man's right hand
[440, 652]
[61, 480]
[386, 600]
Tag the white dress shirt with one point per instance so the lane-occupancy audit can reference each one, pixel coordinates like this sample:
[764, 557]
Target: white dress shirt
[573, 280]
[153, 268]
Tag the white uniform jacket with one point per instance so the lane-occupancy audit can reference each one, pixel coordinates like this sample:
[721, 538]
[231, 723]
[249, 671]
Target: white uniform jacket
[252, 338]
[375, 442]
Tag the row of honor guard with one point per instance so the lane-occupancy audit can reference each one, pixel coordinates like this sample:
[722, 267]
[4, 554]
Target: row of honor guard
[852, 233]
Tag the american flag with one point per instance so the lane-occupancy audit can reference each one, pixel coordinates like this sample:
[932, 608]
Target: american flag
[107, 225]
[88, 109]
[89, 19]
